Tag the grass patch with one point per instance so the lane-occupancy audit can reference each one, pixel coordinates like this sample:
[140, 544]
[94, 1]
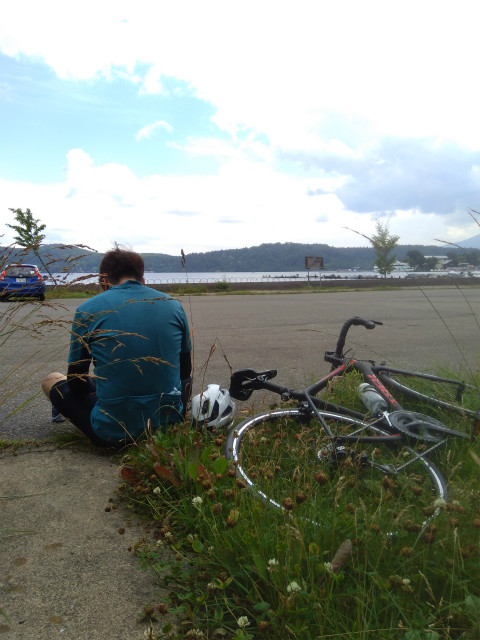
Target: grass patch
[15, 445]
[65, 293]
[350, 555]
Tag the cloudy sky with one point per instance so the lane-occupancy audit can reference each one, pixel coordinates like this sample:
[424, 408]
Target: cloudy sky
[214, 125]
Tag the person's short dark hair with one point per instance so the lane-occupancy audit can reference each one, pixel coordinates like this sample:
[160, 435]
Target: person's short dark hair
[121, 263]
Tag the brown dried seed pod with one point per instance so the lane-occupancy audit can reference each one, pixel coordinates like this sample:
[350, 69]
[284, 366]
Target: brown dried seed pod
[321, 477]
[288, 504]
[411, 526]
[467, 551]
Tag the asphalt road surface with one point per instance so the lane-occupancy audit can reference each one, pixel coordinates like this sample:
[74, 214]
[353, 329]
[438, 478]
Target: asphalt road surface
[423, 330]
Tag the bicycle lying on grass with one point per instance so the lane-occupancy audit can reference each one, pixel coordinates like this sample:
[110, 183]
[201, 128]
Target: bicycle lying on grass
[296, 458]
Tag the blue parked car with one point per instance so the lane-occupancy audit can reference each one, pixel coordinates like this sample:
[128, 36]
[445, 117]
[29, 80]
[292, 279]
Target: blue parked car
[23, 280]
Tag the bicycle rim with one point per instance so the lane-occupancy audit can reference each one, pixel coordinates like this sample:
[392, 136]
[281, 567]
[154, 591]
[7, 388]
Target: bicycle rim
[434, 391]
[288, 462]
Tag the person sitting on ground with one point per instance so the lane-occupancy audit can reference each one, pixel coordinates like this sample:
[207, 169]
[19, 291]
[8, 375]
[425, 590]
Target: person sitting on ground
[139, 343]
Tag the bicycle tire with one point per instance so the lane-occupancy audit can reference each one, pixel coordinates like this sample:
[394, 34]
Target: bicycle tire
[433, 390]
[278, 457]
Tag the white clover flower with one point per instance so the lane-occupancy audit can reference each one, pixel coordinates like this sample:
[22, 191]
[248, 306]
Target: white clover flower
[197, 502]
[440, 502]
[293, 587]
[243, 622]
[159, 543]
[272, 565]
[157, 491]
[406, 581]
[328, 567]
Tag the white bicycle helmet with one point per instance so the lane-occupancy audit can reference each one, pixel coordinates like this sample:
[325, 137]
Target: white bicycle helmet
[213, 408]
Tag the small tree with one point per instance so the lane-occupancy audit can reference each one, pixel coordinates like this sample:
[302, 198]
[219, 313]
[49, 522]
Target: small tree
[29, 231]
[419, 262]
[384, 243]
[415, 259]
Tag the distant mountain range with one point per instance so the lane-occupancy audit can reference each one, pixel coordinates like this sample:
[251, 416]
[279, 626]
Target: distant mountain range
[471, 243]
[266, 258]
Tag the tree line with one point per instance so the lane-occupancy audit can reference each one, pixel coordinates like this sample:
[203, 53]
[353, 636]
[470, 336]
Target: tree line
[269, 257]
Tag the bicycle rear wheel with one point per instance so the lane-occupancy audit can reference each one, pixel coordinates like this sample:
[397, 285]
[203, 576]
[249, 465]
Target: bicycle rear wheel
[287, 460]
[445, 393]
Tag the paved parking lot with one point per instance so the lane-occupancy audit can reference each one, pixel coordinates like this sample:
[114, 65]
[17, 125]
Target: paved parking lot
[423, 329]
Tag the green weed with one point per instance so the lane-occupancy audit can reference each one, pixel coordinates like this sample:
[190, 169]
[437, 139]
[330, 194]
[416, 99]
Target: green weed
[345, 556]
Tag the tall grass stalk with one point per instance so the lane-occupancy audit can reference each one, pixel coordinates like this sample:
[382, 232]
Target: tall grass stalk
[235, 559]
[23, 321]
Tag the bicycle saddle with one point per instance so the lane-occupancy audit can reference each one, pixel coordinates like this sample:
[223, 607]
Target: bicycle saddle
[244, 381]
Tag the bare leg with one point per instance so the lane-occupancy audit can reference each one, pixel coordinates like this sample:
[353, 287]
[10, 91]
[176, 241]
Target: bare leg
[50, 380]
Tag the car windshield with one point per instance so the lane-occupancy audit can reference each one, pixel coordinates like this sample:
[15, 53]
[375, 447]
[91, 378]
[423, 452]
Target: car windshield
[19, 272]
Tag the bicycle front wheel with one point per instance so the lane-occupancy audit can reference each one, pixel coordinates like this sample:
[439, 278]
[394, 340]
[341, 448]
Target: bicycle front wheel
[288, 461]
[424, 388]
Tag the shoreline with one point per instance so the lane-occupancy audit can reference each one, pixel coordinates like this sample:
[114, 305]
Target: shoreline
[267, 284]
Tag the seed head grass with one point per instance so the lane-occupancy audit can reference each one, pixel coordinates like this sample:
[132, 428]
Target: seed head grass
[347, 553]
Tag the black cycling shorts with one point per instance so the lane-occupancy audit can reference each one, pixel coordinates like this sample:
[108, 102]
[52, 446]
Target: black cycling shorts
[78, 407]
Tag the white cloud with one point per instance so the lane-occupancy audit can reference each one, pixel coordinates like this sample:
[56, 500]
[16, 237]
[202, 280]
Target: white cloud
[406, 68]
[308, 94]
[149, 129]
[99, 204]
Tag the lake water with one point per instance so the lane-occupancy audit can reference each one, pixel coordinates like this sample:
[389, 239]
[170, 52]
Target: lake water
[244, 276]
